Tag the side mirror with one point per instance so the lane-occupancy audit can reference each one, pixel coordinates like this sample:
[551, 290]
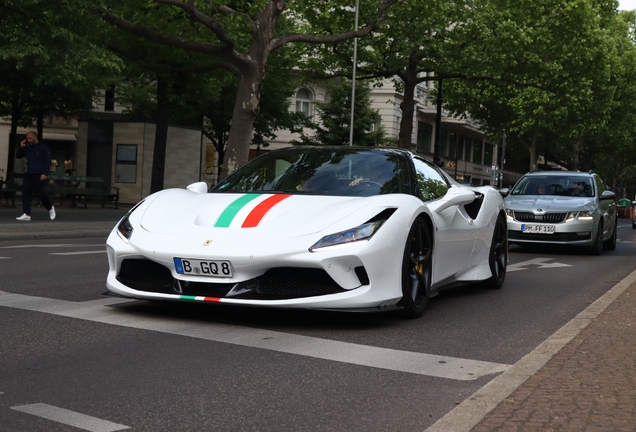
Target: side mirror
[199, 187]
[504, 192]
[608, 195]
[454, 196]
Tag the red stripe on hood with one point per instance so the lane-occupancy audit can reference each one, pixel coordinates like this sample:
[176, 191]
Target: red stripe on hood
[256, 215]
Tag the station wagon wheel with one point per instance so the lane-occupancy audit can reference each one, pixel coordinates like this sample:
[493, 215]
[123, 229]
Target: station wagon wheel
[498, 260]
[417, 266]
[597, 247]
[610, 244]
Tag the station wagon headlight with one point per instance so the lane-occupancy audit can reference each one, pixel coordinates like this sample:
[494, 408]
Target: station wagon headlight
[586, 215]
[361, 232]
[571, 216]
[510, 213]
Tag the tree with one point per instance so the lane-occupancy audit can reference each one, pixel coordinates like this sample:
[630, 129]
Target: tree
[46, 70]
[563, 87]
[335, 117]
[241, 36]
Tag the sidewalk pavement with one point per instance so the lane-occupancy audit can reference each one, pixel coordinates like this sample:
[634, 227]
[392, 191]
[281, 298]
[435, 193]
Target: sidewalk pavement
[582, 378]
[71, 222]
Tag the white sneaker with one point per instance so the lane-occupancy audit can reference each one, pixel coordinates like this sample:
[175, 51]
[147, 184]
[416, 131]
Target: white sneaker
[52, 213]
[24, 217]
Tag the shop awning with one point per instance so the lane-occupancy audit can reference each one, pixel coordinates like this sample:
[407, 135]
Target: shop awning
[58, 137]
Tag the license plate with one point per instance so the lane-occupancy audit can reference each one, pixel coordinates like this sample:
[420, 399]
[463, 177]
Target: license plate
[211, 268]
[537, 229]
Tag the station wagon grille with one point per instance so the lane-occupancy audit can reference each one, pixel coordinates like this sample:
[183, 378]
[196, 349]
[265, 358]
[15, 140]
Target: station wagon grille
[544, 218]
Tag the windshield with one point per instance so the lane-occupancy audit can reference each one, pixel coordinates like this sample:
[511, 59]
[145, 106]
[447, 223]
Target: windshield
[325, 171]
[576, 186]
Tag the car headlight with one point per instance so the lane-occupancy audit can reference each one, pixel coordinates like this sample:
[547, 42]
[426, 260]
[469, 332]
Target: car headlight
[510, 213]
[361, 232]
[571, 216]
[124, 227]
[586, 215]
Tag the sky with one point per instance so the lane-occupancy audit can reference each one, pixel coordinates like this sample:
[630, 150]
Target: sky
[626, 4]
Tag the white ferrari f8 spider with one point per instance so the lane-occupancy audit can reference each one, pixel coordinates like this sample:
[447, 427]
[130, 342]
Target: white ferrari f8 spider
[337, 228]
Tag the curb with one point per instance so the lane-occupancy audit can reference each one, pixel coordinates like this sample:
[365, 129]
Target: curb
[469, 413]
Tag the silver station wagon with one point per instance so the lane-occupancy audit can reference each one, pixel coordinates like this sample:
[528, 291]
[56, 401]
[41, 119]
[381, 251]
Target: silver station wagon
[562, 207]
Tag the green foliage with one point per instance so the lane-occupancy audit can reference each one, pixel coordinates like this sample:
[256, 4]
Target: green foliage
[45, 68]
[335, 117]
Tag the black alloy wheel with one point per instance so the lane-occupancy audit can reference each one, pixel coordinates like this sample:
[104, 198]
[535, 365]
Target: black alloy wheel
[597, 247]
[417, 269]
[498, 260]
[610, 244]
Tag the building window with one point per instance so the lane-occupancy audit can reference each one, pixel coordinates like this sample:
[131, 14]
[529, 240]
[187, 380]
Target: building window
[452, 145]
[477, 150]
[469, 149]
[443, 137]
[303, 102]
[460, 147]
[424, 132]
[109, 99]
[488, 154]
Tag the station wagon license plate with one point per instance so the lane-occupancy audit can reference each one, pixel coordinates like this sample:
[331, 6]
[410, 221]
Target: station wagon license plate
[537, 229]
[197, 267]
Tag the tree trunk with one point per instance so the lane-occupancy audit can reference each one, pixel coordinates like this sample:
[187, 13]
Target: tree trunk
[248, 94]
[408, 111]
[576, 154]
[244, 114]
[533, 151]
[40, 124]
[161, 135]
[16, 113]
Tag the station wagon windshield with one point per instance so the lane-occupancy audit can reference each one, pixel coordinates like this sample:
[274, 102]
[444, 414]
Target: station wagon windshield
[576, 186]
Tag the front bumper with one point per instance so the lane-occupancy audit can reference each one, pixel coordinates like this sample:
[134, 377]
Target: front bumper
[353, 276]
[575, 232]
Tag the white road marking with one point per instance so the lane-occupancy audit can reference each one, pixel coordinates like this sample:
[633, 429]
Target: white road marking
[69, 245]
[5, 257]
[70, 418]
[536, 261]
[362, 355]
[78, 253]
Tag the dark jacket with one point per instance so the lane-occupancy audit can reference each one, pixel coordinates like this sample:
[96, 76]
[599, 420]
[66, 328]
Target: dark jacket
[38, 158]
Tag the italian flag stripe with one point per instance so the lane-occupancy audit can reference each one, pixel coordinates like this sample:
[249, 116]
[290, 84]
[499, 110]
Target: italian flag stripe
[228, 214]
[200, 298]
[255, 216]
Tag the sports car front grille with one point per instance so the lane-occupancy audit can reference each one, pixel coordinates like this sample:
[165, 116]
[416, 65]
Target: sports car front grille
[290, 282]
[275, 284]
[545, 218]
[145, 275]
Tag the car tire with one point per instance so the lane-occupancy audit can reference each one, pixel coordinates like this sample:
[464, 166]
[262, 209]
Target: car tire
[498, 260]
[610, 244]
[633, 224]
[597, 247]
[417, 269]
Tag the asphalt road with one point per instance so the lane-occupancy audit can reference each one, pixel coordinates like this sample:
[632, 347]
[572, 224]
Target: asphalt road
[70, 356]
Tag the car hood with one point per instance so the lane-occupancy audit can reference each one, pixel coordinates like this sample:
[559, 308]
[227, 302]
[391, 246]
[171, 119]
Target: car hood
[181, 212]
[549, 203]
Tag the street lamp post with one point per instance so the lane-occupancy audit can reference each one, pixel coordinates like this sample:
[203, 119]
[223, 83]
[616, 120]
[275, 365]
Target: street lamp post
[437, 158]
[503, 159]
[353, 79]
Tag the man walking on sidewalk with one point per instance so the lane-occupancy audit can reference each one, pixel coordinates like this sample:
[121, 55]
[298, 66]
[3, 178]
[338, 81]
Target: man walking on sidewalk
[38, 158]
